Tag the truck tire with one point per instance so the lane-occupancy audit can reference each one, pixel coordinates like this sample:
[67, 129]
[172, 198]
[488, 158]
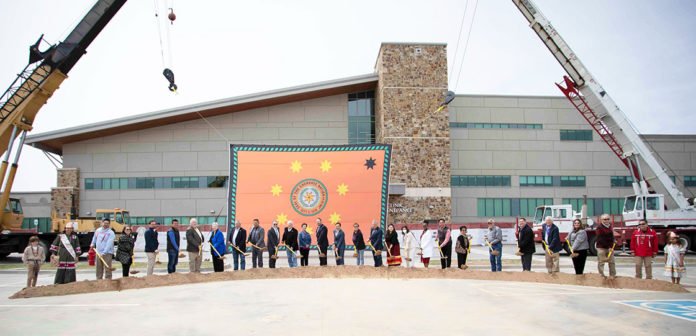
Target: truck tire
[686, 241]
[566, 248]
[46, 245]
[593, 246]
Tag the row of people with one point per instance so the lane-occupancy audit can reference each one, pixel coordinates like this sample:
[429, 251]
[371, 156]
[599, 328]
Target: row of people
[66, 248]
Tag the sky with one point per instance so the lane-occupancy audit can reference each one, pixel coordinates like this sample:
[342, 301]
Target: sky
[640, 51]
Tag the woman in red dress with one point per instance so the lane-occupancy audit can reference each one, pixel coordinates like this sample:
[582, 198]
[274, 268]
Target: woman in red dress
[393, 249]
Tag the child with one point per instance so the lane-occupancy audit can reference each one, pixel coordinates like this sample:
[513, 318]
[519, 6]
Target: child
[674, 258]
[34, 255]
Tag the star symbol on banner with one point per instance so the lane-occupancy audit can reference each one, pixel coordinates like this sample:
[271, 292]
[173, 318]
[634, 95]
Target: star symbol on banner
[334, 218]
[370, 163]
[276, 190]
[309, 230]
[282, 218]
[342, 189]
[296, 166]
[325, 166]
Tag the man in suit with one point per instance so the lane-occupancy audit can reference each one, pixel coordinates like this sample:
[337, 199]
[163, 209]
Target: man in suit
[339, 244]
[237, 238]
[551, 237]
[290, 240]
[322, 241]
[256, 239]
[194, 246]
[376, 237]
[273, 239]
[525, 242]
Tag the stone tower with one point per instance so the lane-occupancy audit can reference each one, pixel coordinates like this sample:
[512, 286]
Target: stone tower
[412, 84]
[66, 196]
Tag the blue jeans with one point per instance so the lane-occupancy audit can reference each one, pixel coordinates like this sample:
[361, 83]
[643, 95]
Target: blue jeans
[236, 255]
[172, 260]
[292, 258]
[361, 257]
[496, 260]
[341, 253]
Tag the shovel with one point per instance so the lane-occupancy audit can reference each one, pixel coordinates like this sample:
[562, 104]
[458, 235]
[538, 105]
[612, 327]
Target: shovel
[572, 253]
[102, 259]
[377, 252]
[157, 261]
[608, 257]
[518, 253]
[133, 262]
[275, 255]
[338, 257]
[259, 248]
[220, 256]
[239, 250]
[321, 255]
[493, 252]
[546, 247]
[442, 255]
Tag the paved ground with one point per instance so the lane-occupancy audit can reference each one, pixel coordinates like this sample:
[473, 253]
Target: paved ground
[348, 307]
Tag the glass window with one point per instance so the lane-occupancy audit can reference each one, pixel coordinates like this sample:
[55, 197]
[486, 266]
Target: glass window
[123, 183]
[115, 183]
[89, 183]
[106, 183]
[690, 181]
[193, 182]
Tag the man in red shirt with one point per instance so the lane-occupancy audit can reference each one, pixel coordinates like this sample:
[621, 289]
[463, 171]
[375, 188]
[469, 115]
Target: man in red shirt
[644, 247]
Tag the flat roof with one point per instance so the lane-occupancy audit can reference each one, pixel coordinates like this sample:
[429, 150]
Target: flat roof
[53, 141]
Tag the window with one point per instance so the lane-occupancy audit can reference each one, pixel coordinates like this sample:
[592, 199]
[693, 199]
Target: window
[508, 207]
[489, 125]
[89, 184]
[144, 182]
[621, 181]
[361, 118]
[576, 135]
[157, 182]
[652, 203]
[690, 181]
[598, 206]
[549, 181]
[480, 181]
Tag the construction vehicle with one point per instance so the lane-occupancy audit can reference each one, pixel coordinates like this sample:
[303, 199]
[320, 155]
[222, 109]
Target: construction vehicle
[674, 213]
[19, 105]
[117, 217]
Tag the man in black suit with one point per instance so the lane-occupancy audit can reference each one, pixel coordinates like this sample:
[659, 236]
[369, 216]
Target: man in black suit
[322, 241]
[525, 242]
[237, 238]
[273, 239]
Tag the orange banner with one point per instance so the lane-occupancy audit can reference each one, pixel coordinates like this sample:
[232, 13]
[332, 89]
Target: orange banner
[346, 183]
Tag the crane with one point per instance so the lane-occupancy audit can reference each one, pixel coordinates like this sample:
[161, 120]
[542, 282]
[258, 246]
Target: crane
[34, 85]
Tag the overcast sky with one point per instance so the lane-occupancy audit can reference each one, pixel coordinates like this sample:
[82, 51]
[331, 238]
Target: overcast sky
[641, 51]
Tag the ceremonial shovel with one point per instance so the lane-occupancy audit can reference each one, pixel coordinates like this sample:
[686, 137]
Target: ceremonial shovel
[220, 256]
[102, 259]
[259, 248]
[493, 252]
[377, 252]
[442, 255]
[572, 254]
[611, 250]
[133, 262]
[240, 251]
[275, 255]
[157, 261]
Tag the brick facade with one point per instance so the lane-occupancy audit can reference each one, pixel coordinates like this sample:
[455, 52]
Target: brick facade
[67, 194]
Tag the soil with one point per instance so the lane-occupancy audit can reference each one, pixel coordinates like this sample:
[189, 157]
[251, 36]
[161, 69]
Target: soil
[311, 272]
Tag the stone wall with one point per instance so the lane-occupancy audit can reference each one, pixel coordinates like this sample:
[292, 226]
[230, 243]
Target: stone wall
[67, 194]
[412, 84]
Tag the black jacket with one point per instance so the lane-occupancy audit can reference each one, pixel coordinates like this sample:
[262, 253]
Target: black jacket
[290, 238]
[151, 243]
[526, 240]
[272, 240]
[170, 246]
[321, 236]
[392, 238]
[358, 240]
[193, 240]
[554, 242]
[241, 238]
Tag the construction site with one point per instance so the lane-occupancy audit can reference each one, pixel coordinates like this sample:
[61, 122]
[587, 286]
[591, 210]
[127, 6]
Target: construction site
[395, 151]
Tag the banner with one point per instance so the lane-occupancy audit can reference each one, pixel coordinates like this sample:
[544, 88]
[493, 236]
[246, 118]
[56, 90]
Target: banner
[344, 183]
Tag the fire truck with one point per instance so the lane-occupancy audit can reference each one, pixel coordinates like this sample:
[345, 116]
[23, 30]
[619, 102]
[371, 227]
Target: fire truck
[655, 197]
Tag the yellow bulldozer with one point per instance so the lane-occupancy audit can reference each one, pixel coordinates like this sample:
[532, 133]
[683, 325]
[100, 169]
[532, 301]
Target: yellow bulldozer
[119, 219]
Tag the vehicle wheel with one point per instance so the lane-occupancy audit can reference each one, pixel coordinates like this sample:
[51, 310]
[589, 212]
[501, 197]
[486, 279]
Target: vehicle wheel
[593, 246]
[566, 248]
[46, 245]
[685, 241]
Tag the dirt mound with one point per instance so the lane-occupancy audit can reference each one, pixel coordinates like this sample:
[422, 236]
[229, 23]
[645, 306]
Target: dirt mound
[593, 280]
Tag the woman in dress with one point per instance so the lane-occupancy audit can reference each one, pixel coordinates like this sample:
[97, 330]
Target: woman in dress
[674, 258]
[124, 253]
[394, 251]
[409, 247]
[579, 244]
[67, 249]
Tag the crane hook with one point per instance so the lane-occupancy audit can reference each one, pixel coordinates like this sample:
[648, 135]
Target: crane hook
[171, 15]
[169, 75]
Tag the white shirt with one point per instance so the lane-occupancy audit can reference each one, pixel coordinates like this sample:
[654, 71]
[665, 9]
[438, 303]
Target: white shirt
[426, 243]
[234, 235]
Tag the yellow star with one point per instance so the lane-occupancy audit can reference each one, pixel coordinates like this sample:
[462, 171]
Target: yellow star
[342, 189]
[309, 230]
[334, 218]
[281, 219]
[325, 166]
[296, 166]
[276, 190]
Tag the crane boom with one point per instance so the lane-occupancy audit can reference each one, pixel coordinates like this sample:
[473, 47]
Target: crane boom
[599, 109]
[42, 76]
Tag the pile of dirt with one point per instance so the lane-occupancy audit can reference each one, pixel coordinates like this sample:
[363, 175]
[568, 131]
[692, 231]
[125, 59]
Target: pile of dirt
[313, 272]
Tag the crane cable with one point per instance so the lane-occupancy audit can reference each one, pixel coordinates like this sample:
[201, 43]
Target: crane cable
[466, 45]
[459, 38]
[167, 61]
